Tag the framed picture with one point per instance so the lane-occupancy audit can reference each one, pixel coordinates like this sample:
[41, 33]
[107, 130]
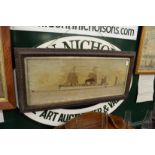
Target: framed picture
[66, 78]
[7, 94]
[146, 53]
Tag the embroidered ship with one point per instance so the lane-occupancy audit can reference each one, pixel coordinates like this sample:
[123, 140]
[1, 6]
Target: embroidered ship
[72, 81]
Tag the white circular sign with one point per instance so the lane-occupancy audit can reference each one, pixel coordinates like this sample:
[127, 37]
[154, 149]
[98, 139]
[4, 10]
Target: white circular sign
[57, 117]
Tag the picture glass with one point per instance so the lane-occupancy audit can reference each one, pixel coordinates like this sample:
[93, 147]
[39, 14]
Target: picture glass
[148, 50]
[3, 89]
[63, 79]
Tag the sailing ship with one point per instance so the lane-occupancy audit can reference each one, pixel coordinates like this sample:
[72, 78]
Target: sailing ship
[90, 81]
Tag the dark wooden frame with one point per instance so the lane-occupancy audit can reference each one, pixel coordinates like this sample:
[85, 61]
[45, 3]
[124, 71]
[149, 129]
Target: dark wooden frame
[139, 56]
[6, 46]
[21, 53]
